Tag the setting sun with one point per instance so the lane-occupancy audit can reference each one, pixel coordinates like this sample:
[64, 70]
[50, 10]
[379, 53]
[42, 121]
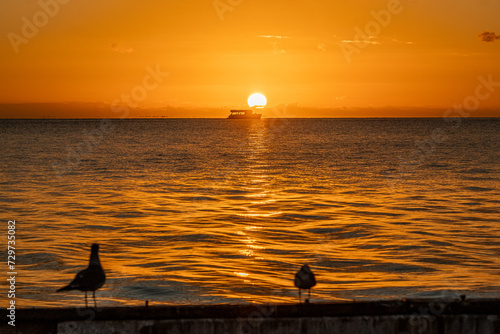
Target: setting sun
[257, 100]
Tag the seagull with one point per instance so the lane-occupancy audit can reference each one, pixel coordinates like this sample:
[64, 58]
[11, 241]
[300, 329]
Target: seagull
[304, 279]
[89, 279]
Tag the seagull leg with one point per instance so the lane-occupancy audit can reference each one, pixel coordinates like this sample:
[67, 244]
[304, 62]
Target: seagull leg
[309, 293]
[86, 299]
[299, 297]
[93, 293]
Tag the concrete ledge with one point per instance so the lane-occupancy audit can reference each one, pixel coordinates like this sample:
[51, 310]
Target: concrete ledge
[384, 317]
[463, 324]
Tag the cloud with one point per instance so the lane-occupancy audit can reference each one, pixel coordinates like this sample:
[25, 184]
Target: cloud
[370, 40]
[273, 36]
[487, 36]
[121, 48]
[395, 40]
[373, 40]
[276, 48]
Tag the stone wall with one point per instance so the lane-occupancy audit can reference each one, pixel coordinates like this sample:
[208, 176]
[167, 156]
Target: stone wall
[375, 317]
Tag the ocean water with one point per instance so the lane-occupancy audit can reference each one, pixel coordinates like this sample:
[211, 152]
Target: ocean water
[210, 211]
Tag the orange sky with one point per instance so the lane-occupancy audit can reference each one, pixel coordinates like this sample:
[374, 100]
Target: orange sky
[418, 54]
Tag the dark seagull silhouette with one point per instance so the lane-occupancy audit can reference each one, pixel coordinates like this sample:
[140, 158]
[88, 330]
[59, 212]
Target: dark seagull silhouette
[89, 279]
[304, 279]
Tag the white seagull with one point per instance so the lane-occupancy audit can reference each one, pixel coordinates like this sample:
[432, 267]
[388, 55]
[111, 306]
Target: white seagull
[304, 279]
[89, 279]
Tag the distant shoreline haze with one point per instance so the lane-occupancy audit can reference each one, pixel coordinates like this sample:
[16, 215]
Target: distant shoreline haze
[101, 110]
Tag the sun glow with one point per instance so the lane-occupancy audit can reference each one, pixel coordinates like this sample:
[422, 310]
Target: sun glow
[257, 100]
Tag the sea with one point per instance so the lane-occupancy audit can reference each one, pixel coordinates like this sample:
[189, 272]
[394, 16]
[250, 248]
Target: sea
[218, 211]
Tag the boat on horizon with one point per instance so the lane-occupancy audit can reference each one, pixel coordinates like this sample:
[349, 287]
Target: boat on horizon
[243, 114]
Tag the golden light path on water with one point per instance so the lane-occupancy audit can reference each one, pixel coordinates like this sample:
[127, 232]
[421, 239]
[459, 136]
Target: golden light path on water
[233, 216]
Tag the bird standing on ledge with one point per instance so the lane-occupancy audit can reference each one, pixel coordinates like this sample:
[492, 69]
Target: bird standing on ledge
[89, 279]
[304, 279]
